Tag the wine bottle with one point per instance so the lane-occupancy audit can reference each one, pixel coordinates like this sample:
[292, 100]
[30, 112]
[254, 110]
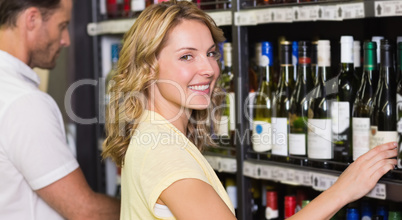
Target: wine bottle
[319, 118]
[357, 60]
[377, 40]
[261, 137]
[399, 110]
[364, 101]
[226, 125]
[271, 211]
[314, 61]
[115, 49]
[280, 105]
[299, 102]
[383, 115]
[290, 206]
[341, 107]
[352, 214]
[295, 58]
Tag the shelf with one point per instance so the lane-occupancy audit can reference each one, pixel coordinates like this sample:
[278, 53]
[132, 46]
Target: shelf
[322, 11]
[120, 26]
[318, 179]
[221, 163]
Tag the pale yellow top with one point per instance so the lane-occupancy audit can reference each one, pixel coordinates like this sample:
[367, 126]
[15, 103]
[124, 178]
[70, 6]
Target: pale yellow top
[159, 155]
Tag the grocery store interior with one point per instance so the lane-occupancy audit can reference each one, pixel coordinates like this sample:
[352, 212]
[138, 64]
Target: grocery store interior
[260, 34]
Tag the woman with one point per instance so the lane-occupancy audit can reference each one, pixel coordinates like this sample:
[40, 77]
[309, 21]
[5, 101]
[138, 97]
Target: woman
[161, 98]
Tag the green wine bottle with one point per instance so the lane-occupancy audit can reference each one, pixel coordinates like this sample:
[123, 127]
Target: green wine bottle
[280, 106]
[364, 101]
[299, 102]
[261, 138]
[341, 107]
[383, 115]
[319, 118]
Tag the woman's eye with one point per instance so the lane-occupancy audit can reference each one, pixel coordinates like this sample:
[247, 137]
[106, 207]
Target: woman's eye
[186, 57]
[214, 54]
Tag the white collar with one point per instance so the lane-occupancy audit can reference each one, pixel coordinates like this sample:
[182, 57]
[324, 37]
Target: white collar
[19, 67]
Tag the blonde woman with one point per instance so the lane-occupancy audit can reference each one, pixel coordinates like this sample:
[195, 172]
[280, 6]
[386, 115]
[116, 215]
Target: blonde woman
[161, 98]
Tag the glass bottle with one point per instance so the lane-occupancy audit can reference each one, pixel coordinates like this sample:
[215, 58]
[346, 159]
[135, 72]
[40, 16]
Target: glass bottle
[357, 60]
[399, 108]
[364, 101]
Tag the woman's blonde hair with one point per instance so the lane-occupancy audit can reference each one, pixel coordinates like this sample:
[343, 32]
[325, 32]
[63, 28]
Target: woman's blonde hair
[138, 69]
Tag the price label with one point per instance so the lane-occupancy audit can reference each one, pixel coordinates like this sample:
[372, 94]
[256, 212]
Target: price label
[351, 11]
[282, 15]
[378, 192]
[387, 8]
[213, 161]
[251, 170]
[305, 13]
[278, 173]
[303, 178]
[329, 13]
[322, 182]
[244, 18]
[221, 18]
[228, 165]
[289, 175]
[263, 16]
[266, 172]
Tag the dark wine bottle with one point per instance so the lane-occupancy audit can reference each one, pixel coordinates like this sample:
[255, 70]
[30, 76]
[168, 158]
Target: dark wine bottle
[383, 115]
[299, 102]
[341, 106]
[319, 118]
[280, 106]
[364, 101]
[399, 106]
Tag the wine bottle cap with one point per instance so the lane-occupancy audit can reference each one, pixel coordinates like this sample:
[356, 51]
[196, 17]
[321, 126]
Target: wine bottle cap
[346, 49]
[272, 200]
[295, 53]
[377, 39]
[324, 53]
[267, 58]
[356, 52]
[258, 51]
[352, 213]
[399, 39]
[304, 52]
[286, 53]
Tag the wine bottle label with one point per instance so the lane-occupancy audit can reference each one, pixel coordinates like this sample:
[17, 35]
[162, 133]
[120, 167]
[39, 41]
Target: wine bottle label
[271, 214]
[381, 137]
[319, 139]
[340, 118]
[232, 112]
[297, 144]
[223, 126]
[279, 136]
[261, 137]
[361, 136]
[251, 98]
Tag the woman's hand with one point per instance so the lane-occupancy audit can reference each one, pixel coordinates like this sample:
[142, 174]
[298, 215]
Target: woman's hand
[363, 174]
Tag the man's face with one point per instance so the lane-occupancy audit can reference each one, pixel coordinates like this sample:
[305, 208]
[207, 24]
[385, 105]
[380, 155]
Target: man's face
[52, 36]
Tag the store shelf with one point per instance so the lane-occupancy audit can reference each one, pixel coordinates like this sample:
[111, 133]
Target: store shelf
[322, 11]
[318, 179]
[120, 26]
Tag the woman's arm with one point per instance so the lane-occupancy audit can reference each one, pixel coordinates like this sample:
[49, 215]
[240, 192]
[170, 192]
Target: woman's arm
[355, 182]
[196, 200]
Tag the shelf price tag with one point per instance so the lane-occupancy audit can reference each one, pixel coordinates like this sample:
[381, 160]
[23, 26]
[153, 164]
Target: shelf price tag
[303, 178]
[213, 161]
[280, 15]
[305, 13]
[263, 16]
[244, 18]
[328, 13]
[221, 18]
[278, 174]
[351, 11]
[251, 170]
[387, 8]
[228, 165]
[322, 182]
[378, 192]
[266, 172]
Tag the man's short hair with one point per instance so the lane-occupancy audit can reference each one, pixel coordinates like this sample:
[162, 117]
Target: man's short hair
[9, 9]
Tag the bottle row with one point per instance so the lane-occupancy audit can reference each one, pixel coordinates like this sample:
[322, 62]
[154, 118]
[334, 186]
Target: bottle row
[312, 113]
[272, 200]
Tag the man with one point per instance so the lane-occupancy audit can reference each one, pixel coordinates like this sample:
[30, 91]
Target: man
[39, 176]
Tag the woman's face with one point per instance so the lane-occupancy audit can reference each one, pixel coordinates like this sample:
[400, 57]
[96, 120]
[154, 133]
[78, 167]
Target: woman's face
[188, 67]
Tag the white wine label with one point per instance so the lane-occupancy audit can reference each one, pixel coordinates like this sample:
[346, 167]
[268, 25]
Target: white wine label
[261, 137]
[297, 144]
[223, 126]
[319, 139]
[232, 111]
[340, 117]
[381, 137]
[361, 136]
[279, 136]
